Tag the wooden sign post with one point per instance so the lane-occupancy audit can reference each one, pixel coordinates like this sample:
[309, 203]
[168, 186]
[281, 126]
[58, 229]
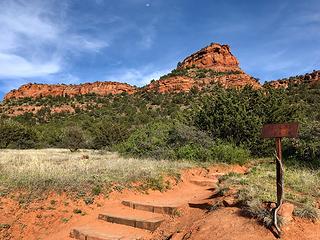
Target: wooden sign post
[278, 131]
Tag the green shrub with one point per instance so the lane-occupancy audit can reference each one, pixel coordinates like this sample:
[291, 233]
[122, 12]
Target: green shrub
[174, 140]
[50, 136]
[166, 140]
[194, 152]
[237, 116]
[107, 133]
[307, 147]
[16, 135]
[147, 141]
[73, 138]
[230, 153]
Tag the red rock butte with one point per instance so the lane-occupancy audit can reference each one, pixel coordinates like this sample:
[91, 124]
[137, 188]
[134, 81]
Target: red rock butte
[215, 56]
[43, 90]
[212, 64]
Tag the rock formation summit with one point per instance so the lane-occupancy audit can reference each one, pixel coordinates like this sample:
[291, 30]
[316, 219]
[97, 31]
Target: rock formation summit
[215, 56]
[212, 64]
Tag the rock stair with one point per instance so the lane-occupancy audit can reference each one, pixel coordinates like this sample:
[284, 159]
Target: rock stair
[132, 220]
[149, 223]
[205, 182]
[90, 234]
[100, 230]
[169, 209]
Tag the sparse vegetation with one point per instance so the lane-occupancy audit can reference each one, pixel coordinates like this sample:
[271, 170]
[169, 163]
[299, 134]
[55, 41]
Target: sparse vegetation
[255, 209]
[77, 211]
[308, 212]
[257, 188]
[37, 171]
[197, 73]
[4, 226]
[65, 220]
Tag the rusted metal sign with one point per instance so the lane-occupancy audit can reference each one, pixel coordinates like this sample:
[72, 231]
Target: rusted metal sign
[280, 130]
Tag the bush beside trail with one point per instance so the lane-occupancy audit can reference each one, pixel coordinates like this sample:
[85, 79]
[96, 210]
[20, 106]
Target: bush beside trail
[175, 140]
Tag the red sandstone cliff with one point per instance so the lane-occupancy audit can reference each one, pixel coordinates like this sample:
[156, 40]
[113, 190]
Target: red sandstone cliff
[212, 64]
[184, 84]
[309, 78]
[215, 56]
[43, 90]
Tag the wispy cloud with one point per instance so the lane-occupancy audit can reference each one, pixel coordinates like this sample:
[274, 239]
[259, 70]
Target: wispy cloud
[148, 34]
[12, 65]
[135, 76]
[35, 38]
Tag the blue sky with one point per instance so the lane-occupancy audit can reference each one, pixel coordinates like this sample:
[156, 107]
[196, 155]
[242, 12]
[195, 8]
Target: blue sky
[134, 41]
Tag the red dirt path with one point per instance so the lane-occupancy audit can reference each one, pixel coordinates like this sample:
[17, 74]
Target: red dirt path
[53, 217]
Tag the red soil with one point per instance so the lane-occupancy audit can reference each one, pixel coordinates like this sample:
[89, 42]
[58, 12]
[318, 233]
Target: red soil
[54, 217]
[228, 224]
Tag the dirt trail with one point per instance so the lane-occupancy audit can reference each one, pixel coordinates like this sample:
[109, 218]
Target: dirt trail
[228, 224]
[171, 216]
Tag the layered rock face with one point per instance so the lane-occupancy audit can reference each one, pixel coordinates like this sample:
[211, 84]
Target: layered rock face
[185, 84]
[43, 90]
[309, 78]
[212, 64]
[215, 56]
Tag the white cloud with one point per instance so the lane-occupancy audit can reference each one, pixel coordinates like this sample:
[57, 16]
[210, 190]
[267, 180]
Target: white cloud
[81, 43]
[27, 19]
[135, 76]
[147, 33]
[15, 66]
[36, 38]
[147, 36]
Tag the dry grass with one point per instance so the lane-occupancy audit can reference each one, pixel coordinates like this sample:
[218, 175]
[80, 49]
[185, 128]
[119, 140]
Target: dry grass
[302, 187]
[83, 171]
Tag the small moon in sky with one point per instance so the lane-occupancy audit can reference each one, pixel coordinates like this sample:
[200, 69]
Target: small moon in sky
[148, 5]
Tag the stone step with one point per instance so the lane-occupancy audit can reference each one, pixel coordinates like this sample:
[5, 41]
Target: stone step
[170, 209]
[201, 204]
[205, 182]
[101, 230]
[89, 234]
[150, 223]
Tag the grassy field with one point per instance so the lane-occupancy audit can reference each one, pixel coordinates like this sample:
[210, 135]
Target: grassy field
[83, 171]
[301, 185]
